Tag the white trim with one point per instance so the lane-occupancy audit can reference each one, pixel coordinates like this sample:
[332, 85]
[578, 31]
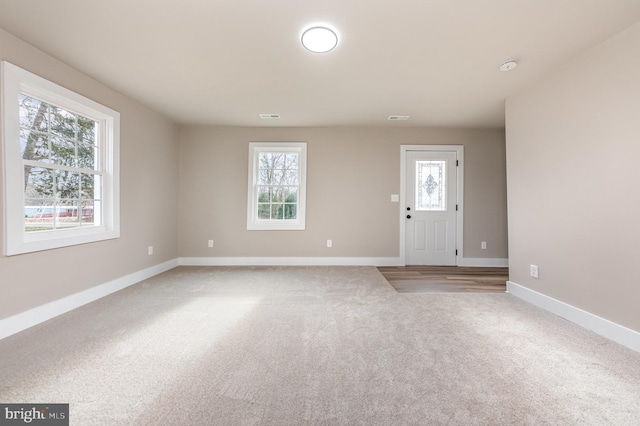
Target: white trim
[255, 148]
[603, 327]
[483, 262]
[290, 261]
[459, 149]
[40, 314]
[16, 81]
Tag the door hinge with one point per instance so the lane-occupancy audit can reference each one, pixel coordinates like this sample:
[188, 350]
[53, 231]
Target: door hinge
[456, 163]
[456, 252]
[456, 207]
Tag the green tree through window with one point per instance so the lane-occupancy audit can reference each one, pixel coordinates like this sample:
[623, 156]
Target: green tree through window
[61, 165]
[61, 183]
[278, 186]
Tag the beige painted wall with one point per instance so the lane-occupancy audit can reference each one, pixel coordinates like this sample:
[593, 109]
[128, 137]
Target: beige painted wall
[148, 152]
[573, 144]
[352, 173]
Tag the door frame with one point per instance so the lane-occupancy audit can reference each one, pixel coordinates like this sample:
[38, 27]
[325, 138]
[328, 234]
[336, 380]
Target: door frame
[459, 150]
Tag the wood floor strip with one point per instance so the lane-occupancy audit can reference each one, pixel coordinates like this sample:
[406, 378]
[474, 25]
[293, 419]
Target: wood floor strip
[446, 279]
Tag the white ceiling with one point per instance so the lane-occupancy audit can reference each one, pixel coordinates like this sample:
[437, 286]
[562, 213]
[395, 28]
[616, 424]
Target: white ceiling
[218, 62]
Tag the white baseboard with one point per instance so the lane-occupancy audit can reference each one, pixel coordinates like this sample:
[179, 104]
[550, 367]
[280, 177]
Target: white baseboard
[488, 262]
[27, 319]
[317, 261]
[610, 330]
[290, 261]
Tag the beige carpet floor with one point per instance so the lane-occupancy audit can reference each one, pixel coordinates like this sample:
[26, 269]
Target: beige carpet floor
[316, 346]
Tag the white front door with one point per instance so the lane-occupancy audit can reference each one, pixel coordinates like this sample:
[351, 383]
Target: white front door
[431, 208]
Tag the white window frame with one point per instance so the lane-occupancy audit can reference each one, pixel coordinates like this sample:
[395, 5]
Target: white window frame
[16, 81]
[255, 148]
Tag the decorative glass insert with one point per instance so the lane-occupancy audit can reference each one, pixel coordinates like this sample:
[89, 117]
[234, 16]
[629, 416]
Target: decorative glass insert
[278, 185]
[62, 184]
[431, 185]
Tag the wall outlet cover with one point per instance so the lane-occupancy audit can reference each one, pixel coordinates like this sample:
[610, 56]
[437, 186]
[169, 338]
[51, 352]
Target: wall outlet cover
[533, 269]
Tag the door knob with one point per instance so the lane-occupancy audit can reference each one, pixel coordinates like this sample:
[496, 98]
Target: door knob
[408, 208]
[408, 216]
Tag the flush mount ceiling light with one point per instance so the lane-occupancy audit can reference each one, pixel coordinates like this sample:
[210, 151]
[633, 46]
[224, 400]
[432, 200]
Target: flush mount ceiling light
[398, 117]
[319, 39]
[508, 65]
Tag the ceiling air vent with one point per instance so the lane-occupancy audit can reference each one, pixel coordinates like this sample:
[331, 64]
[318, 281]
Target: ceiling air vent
[398, 117]
[269, 116]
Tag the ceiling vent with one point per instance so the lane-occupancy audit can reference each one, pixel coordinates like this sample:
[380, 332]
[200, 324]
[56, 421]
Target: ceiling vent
[398, 117]
[269, 116]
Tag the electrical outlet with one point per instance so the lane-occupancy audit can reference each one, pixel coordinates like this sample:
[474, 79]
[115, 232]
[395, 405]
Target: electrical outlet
[483, 245]
[533, 270]
[329, 243]
[210, 243]
[395, 198]
[150, 250]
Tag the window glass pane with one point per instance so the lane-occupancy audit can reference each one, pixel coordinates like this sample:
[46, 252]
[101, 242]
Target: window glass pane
[277, 211]
[87, 130]
[274, 160]
[67, 184]
[63, 151]
[38, 214]
[87, 187]
[270, 167]
[430, 185]
[290, 177]
[86, 156]
[31, 208]
[67, 214]
[34, 114]
[49, 134]
[265, 175]
[63, 123]
[290, 211]
[38, 182]
[275, 171]
[264, 211]
[278, 168]
[277, 195]
[291, 194]
[86, 213]
[291, 161]
[38, 207]
[276, 176]
[264, 194]
[43, 186]
[34, 146]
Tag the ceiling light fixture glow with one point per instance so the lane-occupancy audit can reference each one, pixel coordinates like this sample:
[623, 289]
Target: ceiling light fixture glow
[319, 39]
